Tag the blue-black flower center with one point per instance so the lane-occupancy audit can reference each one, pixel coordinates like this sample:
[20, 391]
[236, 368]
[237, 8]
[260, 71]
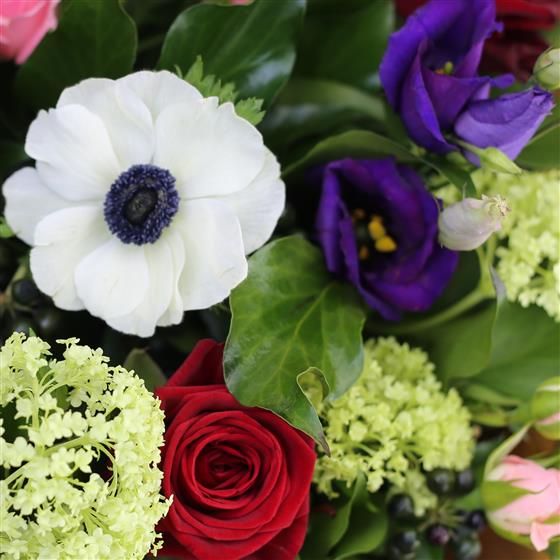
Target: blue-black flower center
[371, 234]
[141, 203]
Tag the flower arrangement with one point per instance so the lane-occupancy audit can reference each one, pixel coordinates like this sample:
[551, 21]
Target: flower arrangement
[311, 252]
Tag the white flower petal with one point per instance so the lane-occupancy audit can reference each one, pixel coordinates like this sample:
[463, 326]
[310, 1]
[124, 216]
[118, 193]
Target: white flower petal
[175, 310]
[209, 149]
[74, 154]
[158, 90]
[28, 201]
[161, 284]
[214, 257]
[259, 205]
[113, 280]
[125, 116]
[62, 239]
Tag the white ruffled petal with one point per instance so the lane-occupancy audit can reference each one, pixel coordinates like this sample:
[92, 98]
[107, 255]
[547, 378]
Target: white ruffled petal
[125, 116]
[113, 280]
[28, 201]
[74, 154]
[209, 149]
[175, 310]
[62, 239]
[259, 205]
[214, 257]
[161, 284]
[158, 90]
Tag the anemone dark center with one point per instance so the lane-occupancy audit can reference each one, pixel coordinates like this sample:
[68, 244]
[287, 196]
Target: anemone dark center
[371, 234]
[141, 203]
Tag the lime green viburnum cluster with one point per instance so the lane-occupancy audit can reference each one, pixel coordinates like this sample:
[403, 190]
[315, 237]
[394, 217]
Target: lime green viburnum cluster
[80, 452]
[394, 423]
[528, 264]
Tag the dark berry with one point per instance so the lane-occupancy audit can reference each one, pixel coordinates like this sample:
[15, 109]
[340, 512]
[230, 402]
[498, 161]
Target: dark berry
[438, 535]
[406, 541]
[50, 322]
[467, 548]
[464, 481]
[476, 520]
[25, 291]
[401, 507]
[441, 481]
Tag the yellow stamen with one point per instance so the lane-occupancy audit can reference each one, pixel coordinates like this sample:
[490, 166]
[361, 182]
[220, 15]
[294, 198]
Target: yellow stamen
[385, 244]
[447, 69]
[363, 254]
[376, 228]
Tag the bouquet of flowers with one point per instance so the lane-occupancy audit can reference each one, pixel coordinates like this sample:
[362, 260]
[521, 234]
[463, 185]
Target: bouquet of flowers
[279, 279]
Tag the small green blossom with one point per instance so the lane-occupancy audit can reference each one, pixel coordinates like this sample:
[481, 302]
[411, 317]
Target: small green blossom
[394, 423]
[52, 502]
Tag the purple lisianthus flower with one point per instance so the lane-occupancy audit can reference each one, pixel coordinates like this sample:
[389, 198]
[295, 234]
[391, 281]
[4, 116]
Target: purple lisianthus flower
[378, 227]
[429, 73]
[507, 122]
[429, 70]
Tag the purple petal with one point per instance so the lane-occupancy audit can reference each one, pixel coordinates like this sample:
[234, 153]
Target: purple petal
[418, 112]
[506, 123]
[330, 211]
[426, 23]
[420, 294]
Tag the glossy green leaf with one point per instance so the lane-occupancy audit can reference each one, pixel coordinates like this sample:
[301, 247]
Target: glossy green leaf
[94, 38]
[543, 150]
[285, 321]
[367, 530]
[455, 175]
[145, 367]
[310, 107]
[345, 41]
[354, 143]
[462, 347]
[524, 351]
[355, 526]
[251, 46]
[328, 528]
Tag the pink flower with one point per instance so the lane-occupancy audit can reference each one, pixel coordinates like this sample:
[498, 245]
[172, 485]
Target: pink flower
[23, 23]
[535, 514]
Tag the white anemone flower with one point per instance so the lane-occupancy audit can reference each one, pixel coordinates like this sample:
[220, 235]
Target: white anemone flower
[144, 201]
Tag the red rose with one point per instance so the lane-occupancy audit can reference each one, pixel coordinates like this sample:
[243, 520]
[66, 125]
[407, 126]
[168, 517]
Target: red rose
[239, 476]
[515, 49]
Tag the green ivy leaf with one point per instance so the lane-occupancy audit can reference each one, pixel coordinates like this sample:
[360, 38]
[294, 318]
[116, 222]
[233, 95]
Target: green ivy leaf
[524, 351]
[287, 320]
[345, 41]
[353, 143]
[251, 46]
[310, 107]
[94, 38]
[356, 526]
[146, 368]
[455, 175]
[541, 152]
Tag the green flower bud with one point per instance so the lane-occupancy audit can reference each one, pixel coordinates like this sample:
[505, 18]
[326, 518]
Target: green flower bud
[545, 408]
[495, 160]
[547, 69]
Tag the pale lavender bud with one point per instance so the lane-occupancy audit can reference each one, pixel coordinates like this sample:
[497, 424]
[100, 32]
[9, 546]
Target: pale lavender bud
[466, 225]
